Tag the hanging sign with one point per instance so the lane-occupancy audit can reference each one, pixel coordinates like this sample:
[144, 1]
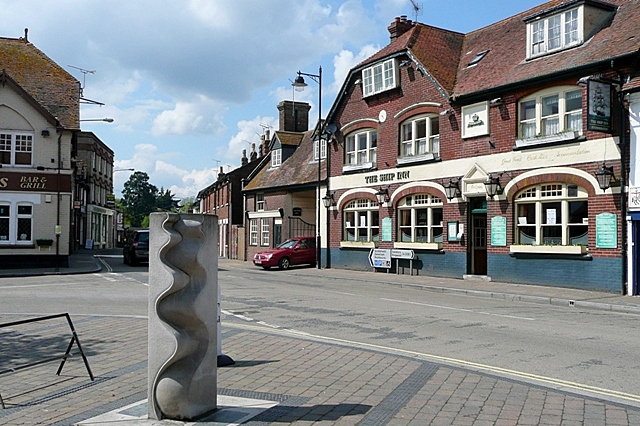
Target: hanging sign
[599, 106]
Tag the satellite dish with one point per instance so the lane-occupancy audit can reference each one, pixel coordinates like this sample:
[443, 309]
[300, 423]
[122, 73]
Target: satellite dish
[331, 128]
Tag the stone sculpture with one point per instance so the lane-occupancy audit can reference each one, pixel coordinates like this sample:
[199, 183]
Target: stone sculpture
[183, 293]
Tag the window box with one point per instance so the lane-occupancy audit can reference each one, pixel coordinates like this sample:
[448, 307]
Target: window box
[560, 137]
[531, 249]
[358, 244]
[44, 242]
[418, 246]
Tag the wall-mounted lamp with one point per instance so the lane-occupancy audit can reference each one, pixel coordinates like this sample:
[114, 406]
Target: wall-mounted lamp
[492, 185]
[446, 112]
[382, 195]
[452, 189]
[328, 200]
[605, 176]
[45, 133]
[496, 101]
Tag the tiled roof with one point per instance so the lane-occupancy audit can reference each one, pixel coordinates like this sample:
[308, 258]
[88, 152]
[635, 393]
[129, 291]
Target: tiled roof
[506, 63]
[445, 55]
[289, 138]
[298, 170]
[51, 86]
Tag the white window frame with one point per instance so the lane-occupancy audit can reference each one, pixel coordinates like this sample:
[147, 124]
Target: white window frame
[259, 202]
[555, 32]
[362, 218]
[12, 221]
[414, 145]
[253, 232]
[276, 158]
[415, 204]
[541, 197]
[19, 142]
[379, 77]
[548, 124]
[264, 232]
[323, 149]
[357, 156]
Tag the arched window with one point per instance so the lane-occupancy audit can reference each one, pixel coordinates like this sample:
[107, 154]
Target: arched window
[551, 112]
[361, 148]
[419, 136]
[552, 214]
[420, 219]
[361, 221]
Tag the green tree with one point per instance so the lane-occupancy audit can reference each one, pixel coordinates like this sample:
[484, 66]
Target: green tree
[138, 198]
[187, 204]
[165, 201]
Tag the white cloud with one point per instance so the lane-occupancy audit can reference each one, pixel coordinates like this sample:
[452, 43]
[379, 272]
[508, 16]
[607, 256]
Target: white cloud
[346, 60]
[249, 132]
[198, 117]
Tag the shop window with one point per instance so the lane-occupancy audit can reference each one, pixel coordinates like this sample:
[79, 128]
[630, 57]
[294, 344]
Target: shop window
[16, 149]
[379, 77]
[552, 215]
[420, 137]
[361, 148]
[16, 224]
[253, 232]
[420, 219]
[361, 221]
[550, 116]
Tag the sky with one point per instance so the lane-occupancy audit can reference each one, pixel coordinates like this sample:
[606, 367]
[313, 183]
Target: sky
[190, 84]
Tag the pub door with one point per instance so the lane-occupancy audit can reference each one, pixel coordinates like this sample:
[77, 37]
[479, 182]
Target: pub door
[477, 251]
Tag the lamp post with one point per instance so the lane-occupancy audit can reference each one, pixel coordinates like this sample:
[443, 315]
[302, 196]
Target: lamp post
[299, 84]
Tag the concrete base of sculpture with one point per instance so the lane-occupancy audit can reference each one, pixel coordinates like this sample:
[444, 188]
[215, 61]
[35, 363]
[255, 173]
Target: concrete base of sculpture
[183, 293]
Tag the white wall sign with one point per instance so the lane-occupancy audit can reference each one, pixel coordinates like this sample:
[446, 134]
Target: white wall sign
[475, 120]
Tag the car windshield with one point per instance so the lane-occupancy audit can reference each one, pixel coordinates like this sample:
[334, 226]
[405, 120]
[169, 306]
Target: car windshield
[288, 244]
[143, 236]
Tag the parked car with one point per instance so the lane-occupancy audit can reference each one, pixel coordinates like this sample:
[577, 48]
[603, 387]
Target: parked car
[136, 247]
[295, 251]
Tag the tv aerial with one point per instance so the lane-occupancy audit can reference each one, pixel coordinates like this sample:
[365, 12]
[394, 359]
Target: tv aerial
[417, 8]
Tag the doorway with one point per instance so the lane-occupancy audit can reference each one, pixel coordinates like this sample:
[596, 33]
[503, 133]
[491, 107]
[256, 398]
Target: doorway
[477, 244]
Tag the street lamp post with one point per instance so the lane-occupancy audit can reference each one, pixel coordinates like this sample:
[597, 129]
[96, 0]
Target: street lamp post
[300, 84]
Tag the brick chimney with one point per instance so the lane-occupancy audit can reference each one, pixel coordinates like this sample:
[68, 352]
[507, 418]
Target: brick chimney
[294, 116]
[400, 26]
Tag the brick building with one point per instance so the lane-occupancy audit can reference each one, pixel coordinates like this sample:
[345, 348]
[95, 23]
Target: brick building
[281, 192]
[480, 152]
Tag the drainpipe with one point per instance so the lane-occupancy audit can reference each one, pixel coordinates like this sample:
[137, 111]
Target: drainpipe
[623, 181]
[58, 229]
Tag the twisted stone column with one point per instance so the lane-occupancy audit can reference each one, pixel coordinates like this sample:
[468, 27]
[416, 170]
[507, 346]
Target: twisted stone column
[183, 293]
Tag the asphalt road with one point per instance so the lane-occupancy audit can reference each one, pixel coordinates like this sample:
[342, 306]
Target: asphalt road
[586, 350]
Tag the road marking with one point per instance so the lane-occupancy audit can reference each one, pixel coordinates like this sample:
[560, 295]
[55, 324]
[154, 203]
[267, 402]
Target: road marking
[106, 265]
[459, 309]
[559, 384]
[341, 292]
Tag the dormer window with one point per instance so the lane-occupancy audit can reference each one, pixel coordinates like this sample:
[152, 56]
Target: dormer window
[551, 33]
[379, 77]
[276, 158]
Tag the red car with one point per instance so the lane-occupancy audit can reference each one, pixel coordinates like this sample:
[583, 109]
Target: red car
[295, 251]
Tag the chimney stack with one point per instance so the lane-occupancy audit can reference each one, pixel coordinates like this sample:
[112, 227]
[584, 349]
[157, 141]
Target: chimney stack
[244, 160]
[399, 26]
[294, 116]
[254, 155]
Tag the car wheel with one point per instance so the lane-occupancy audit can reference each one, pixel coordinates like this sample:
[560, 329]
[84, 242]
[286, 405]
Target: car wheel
[266, 268]
[313, 264]
[284, 263]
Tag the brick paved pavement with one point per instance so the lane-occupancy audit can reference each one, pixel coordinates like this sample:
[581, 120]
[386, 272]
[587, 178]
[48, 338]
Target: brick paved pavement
[313, 380]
